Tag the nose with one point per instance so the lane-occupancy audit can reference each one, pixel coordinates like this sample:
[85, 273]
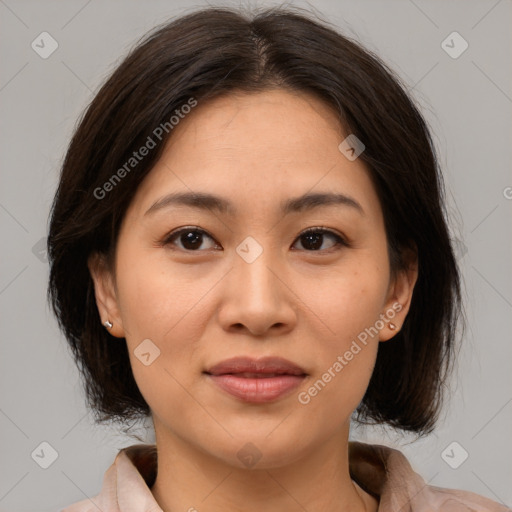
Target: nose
[257, 298]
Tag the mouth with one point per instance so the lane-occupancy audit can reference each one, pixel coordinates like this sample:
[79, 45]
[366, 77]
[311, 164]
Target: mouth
[257, 380]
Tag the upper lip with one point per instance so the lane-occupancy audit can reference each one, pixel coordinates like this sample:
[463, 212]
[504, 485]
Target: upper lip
[275, 365]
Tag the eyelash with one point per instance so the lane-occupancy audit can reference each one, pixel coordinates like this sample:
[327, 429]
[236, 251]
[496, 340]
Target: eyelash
[340, 241]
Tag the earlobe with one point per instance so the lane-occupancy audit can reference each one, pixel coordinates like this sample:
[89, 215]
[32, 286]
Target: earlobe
[400, 295]
[391, 327]
[105, 294]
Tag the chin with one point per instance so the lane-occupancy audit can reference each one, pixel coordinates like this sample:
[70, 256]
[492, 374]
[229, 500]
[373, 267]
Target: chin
[261, 446]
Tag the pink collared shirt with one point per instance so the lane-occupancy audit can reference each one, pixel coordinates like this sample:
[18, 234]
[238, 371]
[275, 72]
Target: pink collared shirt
[383, 472]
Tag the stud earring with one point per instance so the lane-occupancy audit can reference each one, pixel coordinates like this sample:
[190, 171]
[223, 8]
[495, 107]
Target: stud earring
[108, 324]
[392, 326]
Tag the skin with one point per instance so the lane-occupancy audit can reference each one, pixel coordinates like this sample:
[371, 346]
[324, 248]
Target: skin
[202, 306]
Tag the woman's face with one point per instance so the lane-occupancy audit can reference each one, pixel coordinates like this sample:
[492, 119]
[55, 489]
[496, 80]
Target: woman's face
[246, 280]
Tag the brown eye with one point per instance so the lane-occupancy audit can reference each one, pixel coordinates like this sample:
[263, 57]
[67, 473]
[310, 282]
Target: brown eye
[188, 239]
[313, 239]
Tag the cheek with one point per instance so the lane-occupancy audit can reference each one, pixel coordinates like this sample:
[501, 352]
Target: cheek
[350, 299]
[160, 303]
[348, 305]
[158, 300]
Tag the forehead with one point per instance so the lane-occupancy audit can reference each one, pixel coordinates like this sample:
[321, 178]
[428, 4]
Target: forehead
[263, 147]
[275, 120]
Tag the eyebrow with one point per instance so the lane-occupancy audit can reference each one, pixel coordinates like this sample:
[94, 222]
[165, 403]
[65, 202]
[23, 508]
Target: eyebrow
[206, 201]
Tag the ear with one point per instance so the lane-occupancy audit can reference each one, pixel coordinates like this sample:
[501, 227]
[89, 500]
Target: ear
[105, 293]
[400, 292]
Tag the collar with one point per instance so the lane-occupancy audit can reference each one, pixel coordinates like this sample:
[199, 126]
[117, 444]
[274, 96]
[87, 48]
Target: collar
[383, 472]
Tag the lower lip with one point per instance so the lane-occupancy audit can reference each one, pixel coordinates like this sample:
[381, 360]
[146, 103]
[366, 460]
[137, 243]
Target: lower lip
[257, 390]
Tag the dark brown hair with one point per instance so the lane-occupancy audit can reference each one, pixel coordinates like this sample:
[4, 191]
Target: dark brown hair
[216, 51]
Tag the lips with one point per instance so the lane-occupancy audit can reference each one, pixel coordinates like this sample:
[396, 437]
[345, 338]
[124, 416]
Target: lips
[266, 366]
[257, 380]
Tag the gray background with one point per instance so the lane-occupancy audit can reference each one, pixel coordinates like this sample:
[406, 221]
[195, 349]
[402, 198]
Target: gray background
[467, 102]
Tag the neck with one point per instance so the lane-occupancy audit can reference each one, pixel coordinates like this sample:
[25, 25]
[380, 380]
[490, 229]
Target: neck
[190, 480]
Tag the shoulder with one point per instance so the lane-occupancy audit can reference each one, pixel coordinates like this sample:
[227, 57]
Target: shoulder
[102, 500]
[126, 480]
[453, 500]
[387, 474]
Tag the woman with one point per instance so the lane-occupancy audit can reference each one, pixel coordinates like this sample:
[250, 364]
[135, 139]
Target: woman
[249, 245]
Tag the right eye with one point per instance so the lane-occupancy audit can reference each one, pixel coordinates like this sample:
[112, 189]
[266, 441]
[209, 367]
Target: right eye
[190, 238]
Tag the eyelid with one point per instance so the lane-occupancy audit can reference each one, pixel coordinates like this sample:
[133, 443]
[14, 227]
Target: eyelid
[169, 236]
[323, 229]
[341, 239]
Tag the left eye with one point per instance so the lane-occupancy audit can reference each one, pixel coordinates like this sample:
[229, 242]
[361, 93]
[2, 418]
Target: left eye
[191, 239]
[314, 237]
